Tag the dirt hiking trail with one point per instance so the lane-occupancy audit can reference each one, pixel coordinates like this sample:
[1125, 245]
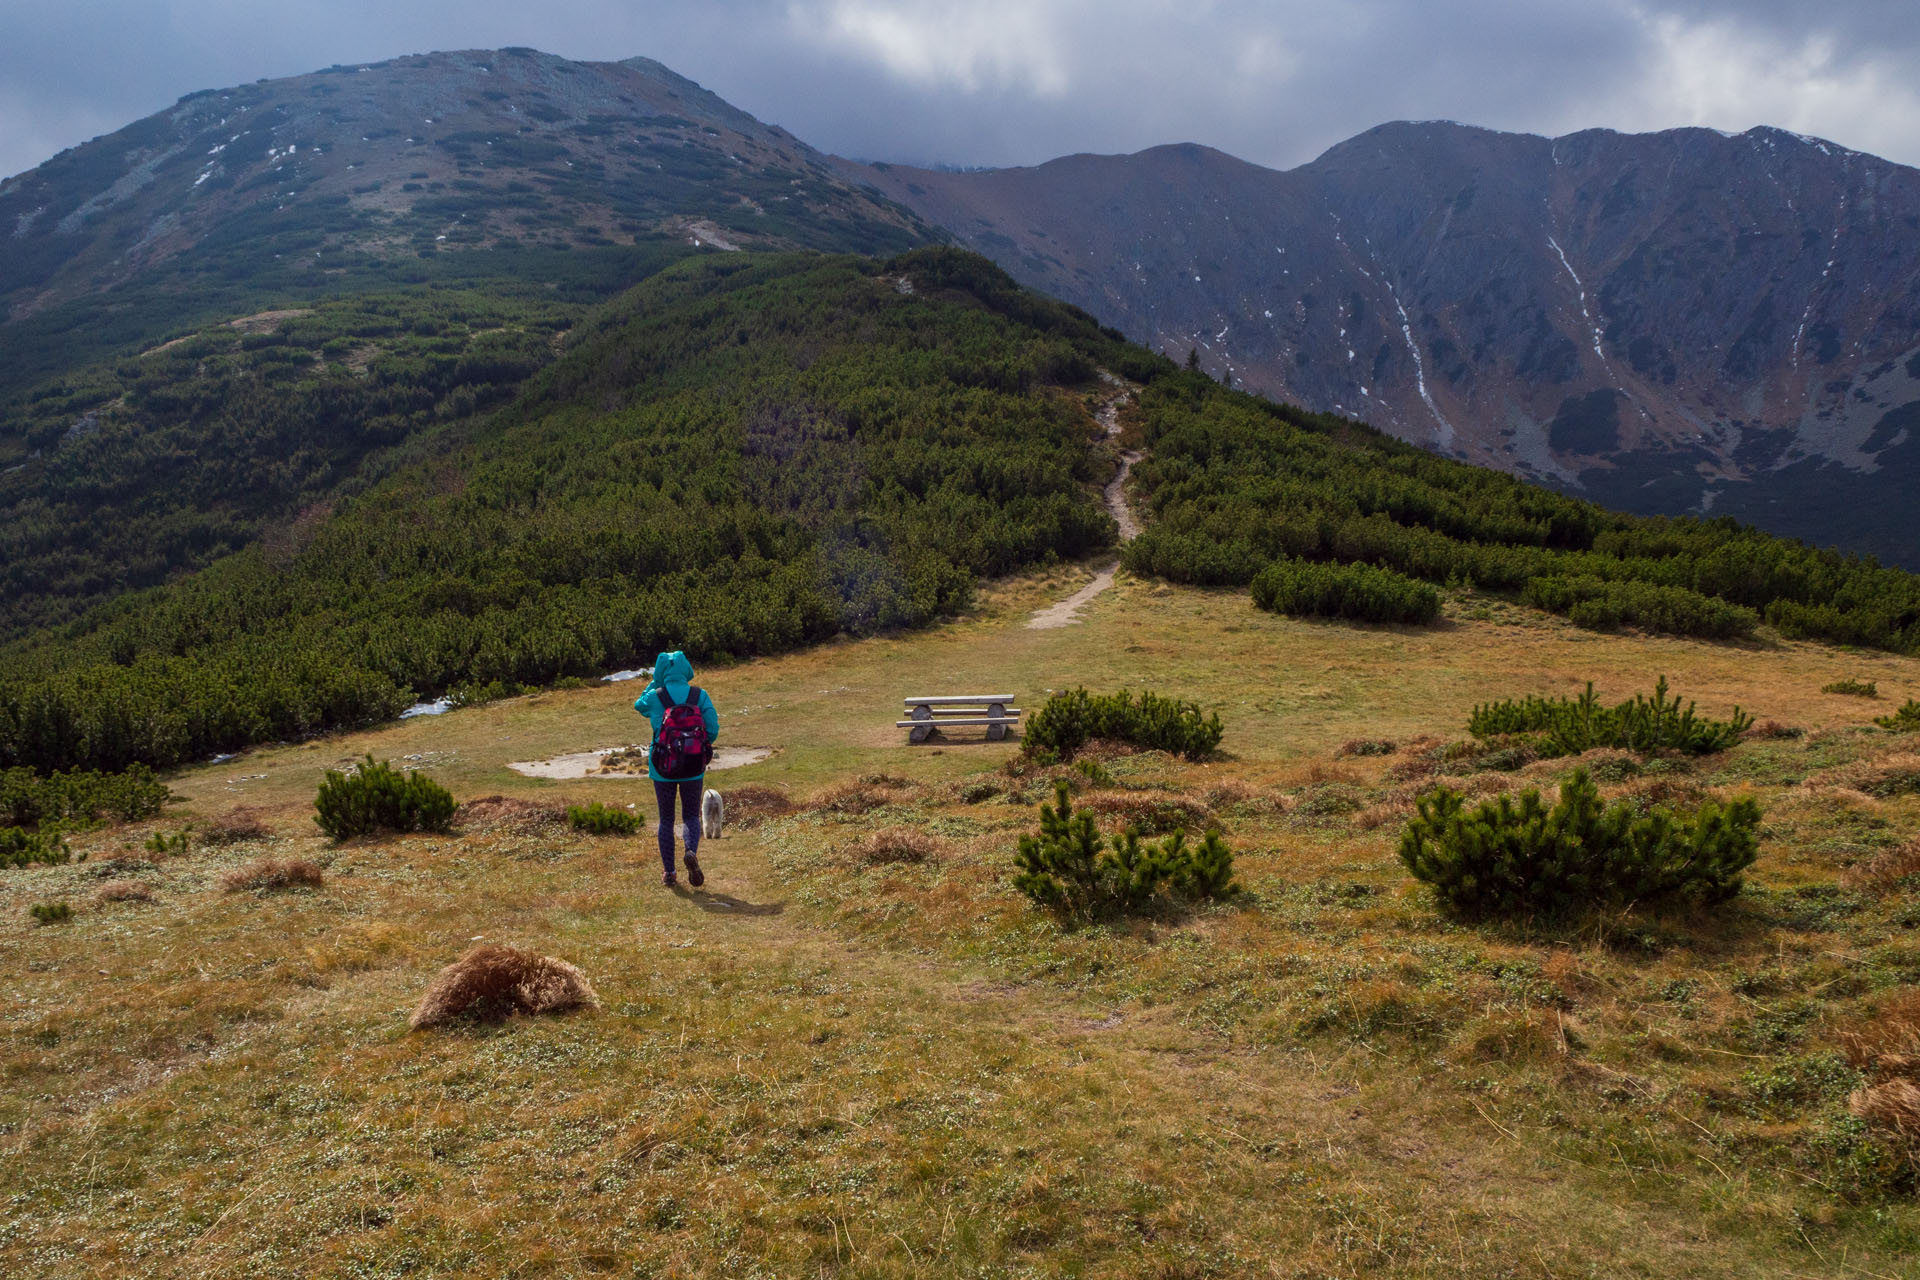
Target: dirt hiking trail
[1067, 611]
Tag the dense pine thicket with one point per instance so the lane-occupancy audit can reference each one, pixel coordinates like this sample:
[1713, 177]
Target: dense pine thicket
[1234, 484]
[744, 455]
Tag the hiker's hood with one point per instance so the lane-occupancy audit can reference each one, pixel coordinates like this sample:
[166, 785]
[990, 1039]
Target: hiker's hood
[673, 671]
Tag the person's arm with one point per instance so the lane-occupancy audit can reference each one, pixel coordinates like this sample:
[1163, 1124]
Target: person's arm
[710, 717]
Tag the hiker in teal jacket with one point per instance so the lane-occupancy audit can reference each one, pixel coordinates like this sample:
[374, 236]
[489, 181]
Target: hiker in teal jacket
[672, 687]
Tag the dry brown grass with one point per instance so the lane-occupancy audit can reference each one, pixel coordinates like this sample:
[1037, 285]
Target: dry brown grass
[1153, 812]
[1773, 729]
[511, 814]
[1887, 1049]
[1394, 810]
[750, 805]
[1364, 747]
[851, 799]
[273, 873]
[1892, 1104]
[1880, 874]
[237, 825]
[897, 845]
[123, 891]
[491, 982]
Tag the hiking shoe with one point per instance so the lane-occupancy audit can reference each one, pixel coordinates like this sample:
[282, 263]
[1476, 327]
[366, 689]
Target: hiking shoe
[670, 881]
[694, 875]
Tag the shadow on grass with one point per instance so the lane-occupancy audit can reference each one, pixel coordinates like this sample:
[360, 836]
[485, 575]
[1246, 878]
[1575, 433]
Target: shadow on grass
[723, 904]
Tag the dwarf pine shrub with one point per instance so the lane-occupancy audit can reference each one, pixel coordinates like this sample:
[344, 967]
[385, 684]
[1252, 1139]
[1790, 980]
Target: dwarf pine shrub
[79, 798]
[1071, 868]
[51, 912]
[1853, 688]
[1521, 860]
[1569, 726]
[601, 820]
[1357, 592]
[1905, 720]
[1601, 604]
[1070, 719]
[378, 797]
[26, 848]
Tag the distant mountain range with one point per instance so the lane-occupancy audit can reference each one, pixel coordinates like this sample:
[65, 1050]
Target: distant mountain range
[1668, 322]
[1671, 322]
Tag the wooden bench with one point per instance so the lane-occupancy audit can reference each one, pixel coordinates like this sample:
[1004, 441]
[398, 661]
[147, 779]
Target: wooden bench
[926, 715]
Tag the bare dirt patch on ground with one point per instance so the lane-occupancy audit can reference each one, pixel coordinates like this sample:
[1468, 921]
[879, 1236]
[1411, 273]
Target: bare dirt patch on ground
[588, 764]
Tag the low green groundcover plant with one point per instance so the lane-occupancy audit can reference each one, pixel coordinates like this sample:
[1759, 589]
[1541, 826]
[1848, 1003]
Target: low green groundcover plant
[1503, 859]
[20, 848]
[1569, 726]
[1072, 718]
[601, 820]
[1905, 720]
[378, 797]
[1071, 868]
[51, 912]
[1357, 592]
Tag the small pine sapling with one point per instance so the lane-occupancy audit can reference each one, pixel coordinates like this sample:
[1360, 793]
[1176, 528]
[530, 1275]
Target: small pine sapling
[1060, 867]
[1205, 870]
[1069, 867]
[1905, 720]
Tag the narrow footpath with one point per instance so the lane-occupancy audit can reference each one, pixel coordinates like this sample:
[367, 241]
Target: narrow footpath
[1067, 611]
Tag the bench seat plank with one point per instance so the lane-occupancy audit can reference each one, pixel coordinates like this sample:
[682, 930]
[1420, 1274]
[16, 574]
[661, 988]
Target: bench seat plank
[944, 721]
[981, 699]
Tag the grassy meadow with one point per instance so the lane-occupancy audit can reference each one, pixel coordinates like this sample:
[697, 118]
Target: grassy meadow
[860, 1053]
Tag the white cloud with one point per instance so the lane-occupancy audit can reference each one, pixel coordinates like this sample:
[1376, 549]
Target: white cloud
[995, 44]
[1019, 81]
[1721, 73]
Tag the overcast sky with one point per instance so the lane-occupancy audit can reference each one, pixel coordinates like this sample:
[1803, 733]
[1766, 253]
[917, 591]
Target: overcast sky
[998, 82]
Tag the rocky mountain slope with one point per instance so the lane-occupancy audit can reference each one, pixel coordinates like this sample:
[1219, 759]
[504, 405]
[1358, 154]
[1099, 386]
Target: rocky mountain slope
[1667, 322]
[420, 155]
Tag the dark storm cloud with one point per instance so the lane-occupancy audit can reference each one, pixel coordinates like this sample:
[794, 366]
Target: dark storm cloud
[1017, 81]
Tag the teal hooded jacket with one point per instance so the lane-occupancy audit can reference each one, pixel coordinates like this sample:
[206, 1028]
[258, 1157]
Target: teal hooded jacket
[672, 672]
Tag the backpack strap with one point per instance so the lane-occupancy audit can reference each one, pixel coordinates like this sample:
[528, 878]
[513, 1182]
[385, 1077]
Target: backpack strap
[666, 699]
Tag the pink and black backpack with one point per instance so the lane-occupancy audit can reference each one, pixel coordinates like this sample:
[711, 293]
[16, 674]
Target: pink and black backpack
[681, 750]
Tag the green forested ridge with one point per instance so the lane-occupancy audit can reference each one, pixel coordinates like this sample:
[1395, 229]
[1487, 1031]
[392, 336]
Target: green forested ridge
[124, 474]
[742, 455]
[1235, 483]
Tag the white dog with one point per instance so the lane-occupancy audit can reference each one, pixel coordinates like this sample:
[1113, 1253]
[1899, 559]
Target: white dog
[713, 814]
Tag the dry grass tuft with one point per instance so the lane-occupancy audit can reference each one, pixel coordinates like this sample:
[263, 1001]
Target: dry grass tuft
[1887, 1050]
[750, 805]
[271, 873]
[1153, 812]
[491, 982]
[1393, 810]
[1104, 749]
[1891, 1104]
[1889, 1043]
[123, 891]
[1771, 729]
[506, 813]
[897, 845]
[1667, 793]
[1363, 747]
[1883, 872]
[855, 798]
[237, 825]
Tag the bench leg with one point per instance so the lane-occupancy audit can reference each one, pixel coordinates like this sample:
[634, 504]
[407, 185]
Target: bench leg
[996, 732]
[919, 733]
